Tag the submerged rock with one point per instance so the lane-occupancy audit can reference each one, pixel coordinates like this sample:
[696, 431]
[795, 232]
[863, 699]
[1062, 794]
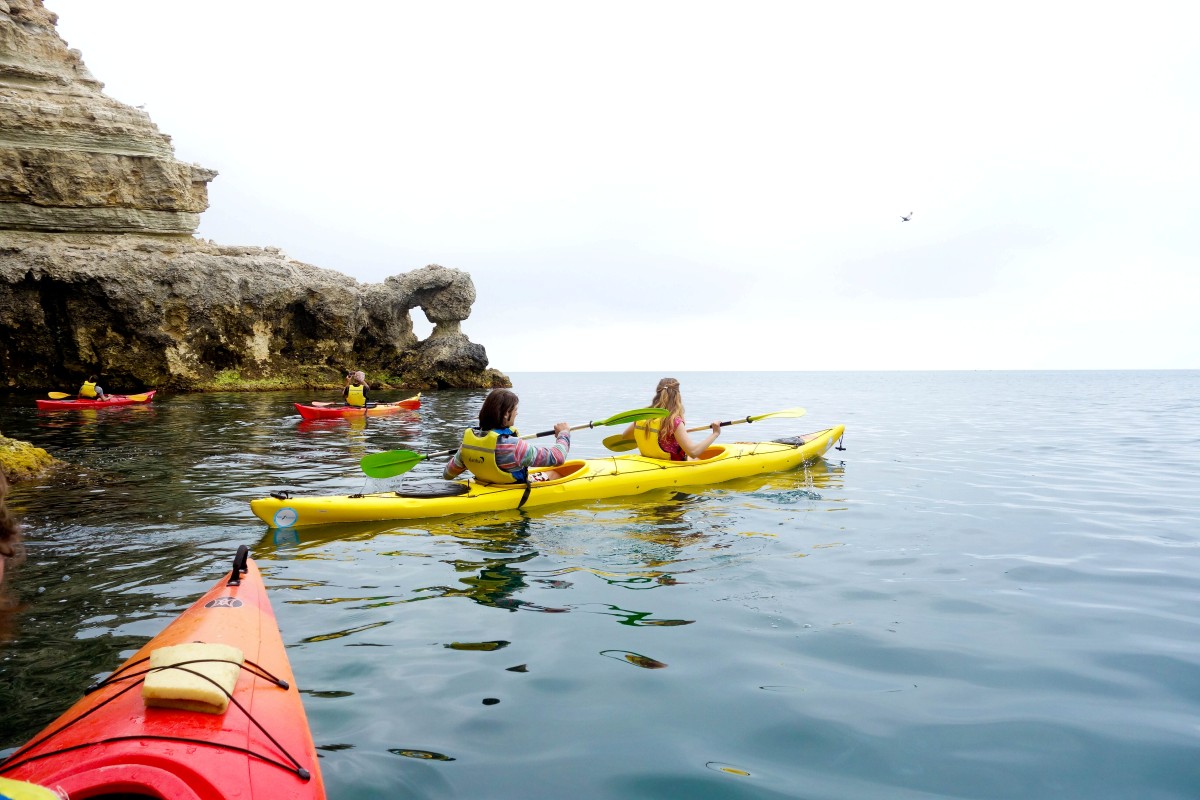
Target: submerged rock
[100, 271]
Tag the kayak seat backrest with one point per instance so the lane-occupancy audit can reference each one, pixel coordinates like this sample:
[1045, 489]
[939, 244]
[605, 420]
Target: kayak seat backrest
[196, 676]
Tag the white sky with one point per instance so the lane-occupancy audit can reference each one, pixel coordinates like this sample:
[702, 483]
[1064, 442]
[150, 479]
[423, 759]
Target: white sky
[696, 185]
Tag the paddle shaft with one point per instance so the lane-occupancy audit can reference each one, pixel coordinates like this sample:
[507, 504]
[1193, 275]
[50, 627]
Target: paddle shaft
[454, 450]
[134, 397]
[397, 462]
[618, 444]
[591, 424]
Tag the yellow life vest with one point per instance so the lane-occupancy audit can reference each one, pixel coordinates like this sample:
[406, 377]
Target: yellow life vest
[355, 396]
[88, 389]
[645, 433]
[479, 455]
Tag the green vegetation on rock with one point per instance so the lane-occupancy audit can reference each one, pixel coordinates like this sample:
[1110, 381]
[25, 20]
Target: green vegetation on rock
[22, 461]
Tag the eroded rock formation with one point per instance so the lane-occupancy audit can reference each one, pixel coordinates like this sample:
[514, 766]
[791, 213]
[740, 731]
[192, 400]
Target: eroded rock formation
[100, 271]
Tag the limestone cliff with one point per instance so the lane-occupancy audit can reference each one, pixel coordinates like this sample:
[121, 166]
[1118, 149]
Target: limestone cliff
[100, 271]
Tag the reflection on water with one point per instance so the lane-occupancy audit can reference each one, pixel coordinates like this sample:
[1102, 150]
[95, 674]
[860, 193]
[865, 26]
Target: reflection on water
[987, 577]
[637, 659]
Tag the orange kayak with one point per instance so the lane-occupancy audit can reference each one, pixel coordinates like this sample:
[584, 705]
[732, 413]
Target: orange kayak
[119, 740]
[336, 410]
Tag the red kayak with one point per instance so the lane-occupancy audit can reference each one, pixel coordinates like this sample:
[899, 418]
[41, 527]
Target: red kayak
[141, 731]
[109, 401]
[336, 410]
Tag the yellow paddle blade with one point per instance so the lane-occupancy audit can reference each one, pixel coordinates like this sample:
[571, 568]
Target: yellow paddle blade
[787, 412]
[137, 398]
[58, 395]
[619, 444]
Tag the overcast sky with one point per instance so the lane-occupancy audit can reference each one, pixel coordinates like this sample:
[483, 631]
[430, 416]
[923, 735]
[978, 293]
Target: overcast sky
[690, 185]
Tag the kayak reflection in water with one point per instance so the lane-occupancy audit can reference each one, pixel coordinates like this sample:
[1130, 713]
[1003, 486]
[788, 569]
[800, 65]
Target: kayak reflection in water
[667, 438]
[494, 454]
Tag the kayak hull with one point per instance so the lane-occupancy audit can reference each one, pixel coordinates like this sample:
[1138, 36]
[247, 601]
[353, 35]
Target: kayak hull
[340, 411]
[590, 479]
[122, 746]
[113, 401]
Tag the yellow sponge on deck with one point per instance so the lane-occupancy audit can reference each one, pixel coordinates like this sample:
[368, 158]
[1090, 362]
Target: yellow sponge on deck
[174, 688]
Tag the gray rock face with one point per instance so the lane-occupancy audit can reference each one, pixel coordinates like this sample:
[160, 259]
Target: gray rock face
[100, 272]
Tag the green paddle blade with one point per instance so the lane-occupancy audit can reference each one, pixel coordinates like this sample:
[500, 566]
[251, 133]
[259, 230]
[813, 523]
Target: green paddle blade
[389, 464]
[626, 417]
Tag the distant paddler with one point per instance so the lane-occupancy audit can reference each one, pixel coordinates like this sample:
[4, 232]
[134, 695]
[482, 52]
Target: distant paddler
[90, 390]
[357, 389]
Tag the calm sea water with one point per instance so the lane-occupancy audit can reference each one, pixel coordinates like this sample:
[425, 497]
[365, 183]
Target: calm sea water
[993, 592]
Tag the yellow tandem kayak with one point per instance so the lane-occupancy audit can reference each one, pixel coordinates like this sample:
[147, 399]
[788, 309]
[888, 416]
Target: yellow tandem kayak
[582, 479]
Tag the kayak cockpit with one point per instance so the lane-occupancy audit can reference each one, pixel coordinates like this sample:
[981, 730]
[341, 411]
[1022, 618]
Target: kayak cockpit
[567, 471]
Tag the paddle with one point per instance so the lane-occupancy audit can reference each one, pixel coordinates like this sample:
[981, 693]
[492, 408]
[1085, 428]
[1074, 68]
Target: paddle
[323, 404]
[397, 462]
[617, 443]
[137, 398]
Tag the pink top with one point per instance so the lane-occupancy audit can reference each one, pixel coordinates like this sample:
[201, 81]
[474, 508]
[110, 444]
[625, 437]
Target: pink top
[666, 440]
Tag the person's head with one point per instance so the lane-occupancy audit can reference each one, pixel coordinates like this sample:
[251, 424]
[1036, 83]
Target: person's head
[10, 549]
[10, 532]
[499, 409]
[91, 379]
[666, 395]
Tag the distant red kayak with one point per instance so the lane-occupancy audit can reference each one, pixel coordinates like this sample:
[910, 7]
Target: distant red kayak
[110, 401]
[335, 410]
[117, 741]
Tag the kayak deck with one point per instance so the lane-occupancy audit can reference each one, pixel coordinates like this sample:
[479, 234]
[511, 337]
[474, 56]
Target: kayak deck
[113, 401]
[112, 742]
[590, 479]
[335, 411]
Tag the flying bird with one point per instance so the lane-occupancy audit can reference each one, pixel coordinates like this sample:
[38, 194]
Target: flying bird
[906, 219]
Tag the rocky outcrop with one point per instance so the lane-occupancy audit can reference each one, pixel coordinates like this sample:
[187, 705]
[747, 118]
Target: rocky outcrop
[100, 271]
[21, 461]
[73, 159]
[190, 314]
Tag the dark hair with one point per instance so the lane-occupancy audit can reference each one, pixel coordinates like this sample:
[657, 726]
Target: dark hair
[496, 407]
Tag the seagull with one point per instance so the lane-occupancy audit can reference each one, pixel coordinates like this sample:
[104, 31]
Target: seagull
[906, 219]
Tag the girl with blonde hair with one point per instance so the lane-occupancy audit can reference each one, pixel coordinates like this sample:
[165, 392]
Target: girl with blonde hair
[667, 438]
